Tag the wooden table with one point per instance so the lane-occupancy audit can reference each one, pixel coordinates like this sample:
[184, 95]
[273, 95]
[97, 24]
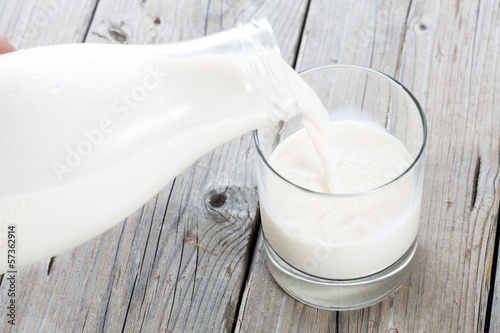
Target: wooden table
[191, 259]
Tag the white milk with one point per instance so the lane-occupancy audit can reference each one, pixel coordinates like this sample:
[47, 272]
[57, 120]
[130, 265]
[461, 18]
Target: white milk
[319, 128]
[341, 238]
[88, 133]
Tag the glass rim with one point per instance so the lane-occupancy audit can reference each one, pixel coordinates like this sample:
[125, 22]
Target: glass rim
[376, 189]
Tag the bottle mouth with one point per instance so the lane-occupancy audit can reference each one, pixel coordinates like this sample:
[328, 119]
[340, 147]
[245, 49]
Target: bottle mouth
[260, 35]
[267, 68]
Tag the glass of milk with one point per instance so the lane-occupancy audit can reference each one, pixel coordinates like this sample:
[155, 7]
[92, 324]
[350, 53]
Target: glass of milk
[353, 246]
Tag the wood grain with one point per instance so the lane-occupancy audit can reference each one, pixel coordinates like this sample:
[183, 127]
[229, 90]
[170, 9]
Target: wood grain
[186, 261]
[30, 23]
[180, 262]
[447, 54]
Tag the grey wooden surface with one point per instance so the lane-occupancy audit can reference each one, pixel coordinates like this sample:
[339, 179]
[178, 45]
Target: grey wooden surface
[191, 259]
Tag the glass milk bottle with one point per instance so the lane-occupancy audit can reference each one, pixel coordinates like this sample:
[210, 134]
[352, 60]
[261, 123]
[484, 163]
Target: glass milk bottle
[90, 132]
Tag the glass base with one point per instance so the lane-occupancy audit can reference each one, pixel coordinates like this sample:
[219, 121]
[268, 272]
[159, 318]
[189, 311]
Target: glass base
[340, 295]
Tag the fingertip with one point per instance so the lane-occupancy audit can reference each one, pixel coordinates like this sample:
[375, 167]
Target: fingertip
[5, 45]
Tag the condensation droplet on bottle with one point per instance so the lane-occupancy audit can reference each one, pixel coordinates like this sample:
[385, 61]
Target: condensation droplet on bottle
[24, 204]
[56, 89]
[14, 91]
[33, 80]
[12, 213]
[249, 86]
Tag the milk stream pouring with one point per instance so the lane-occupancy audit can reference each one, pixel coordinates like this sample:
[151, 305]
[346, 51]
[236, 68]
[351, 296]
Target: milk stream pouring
[89, 133]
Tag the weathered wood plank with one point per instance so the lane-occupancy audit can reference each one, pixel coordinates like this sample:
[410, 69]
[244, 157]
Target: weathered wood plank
[179, 263]
[447, 54]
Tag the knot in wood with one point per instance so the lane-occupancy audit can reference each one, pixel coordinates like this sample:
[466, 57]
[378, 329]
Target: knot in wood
[232, 203]
[423, 27]
[217, 200]
[118, 34]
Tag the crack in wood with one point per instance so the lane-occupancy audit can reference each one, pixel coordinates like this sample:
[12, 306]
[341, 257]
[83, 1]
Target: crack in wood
[51, 264]
[251, 249]
[116, 277]
[402, 41]
[85, 321]
[176, 284]
[197, 265]
[475, 182]
[92, 15]
[492, 272]
[302, 36]
[129, 305]
[106, 311]
[228, 322]
[373, 37]
[163, 222]
[207, 17]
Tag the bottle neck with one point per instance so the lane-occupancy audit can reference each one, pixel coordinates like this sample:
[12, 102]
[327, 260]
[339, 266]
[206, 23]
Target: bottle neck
[265, 72]
[268, 71]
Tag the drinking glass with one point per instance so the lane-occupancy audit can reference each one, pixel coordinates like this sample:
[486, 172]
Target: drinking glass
[342, 275]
